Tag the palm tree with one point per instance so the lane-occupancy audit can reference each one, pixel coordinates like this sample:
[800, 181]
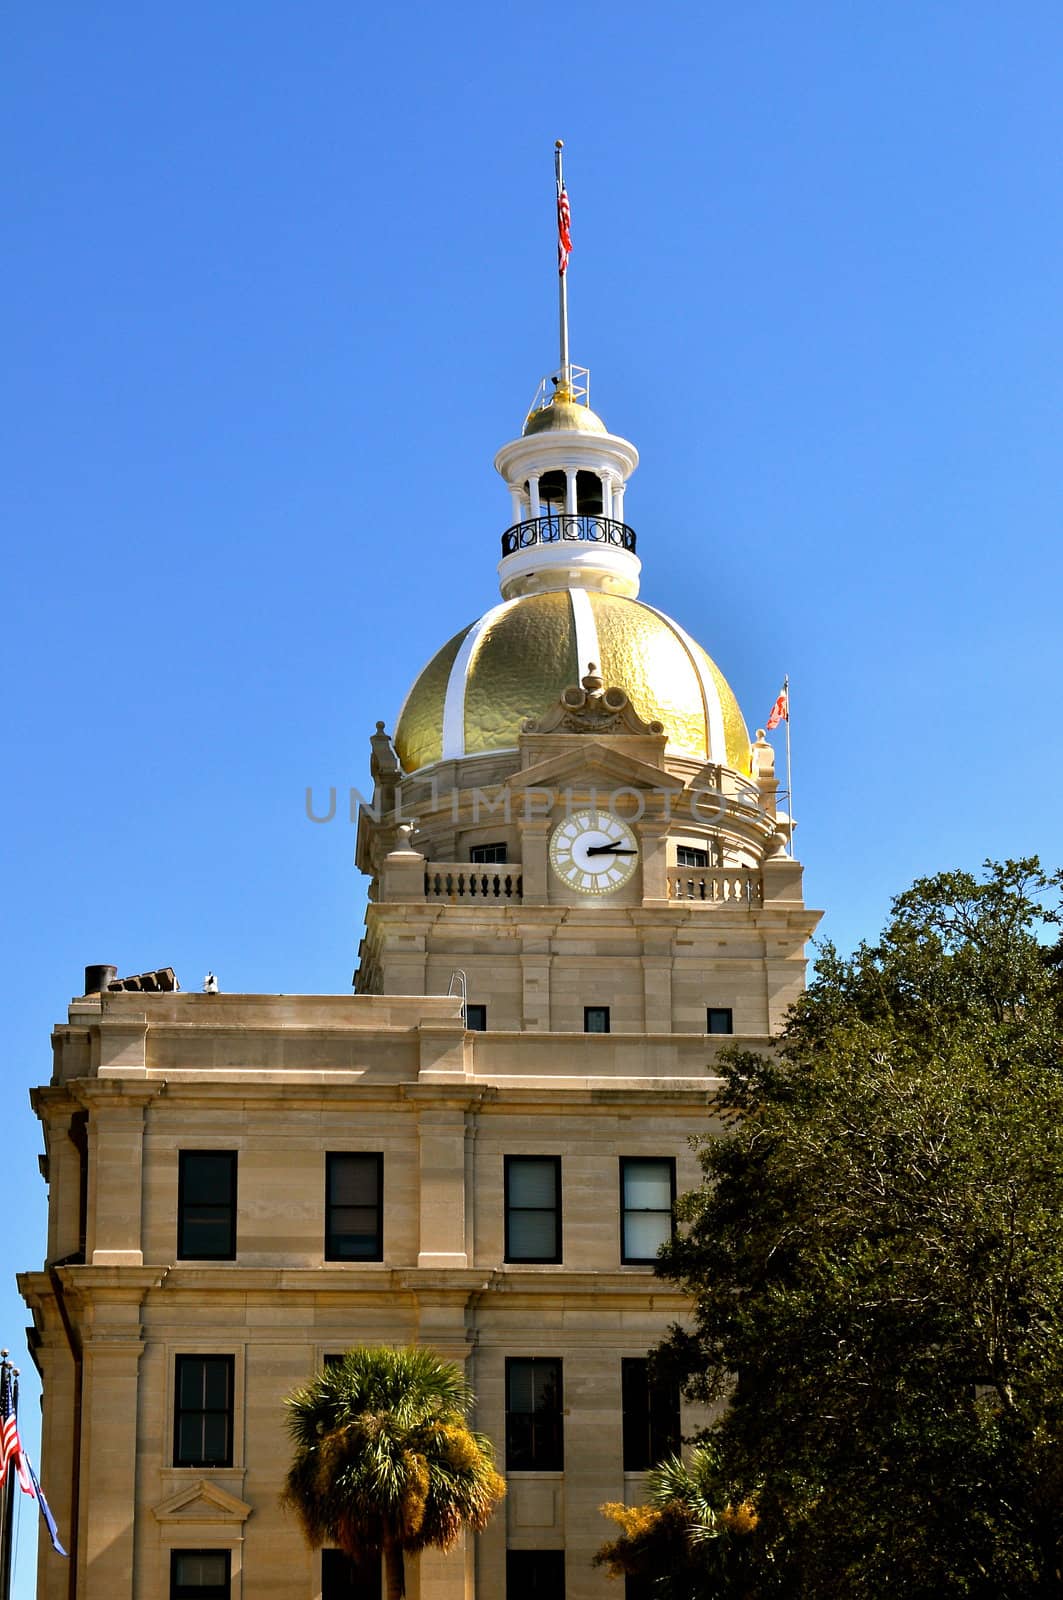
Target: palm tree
[385, 1461]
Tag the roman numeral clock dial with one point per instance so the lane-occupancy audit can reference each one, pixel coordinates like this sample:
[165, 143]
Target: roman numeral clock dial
[593, 851]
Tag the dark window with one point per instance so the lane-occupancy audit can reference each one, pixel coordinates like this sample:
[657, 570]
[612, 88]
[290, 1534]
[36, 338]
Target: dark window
[206, 1205]
[354, 1204]
[687, 856]
[488, 854]
[647, 1194]
[203, 1411]
[637, 1588]
[720, 1019]
[476, 1018]
[533, 1208]
[332, 1359]
[535, 1575]
[199, 1575]
[651, 1415]
[534, 1430]
[596, 1019]
[344, 1579]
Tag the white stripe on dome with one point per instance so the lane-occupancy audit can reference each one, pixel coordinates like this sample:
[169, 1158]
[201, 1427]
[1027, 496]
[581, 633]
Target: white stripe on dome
[709, 692]
[586, 631]
[454, 704]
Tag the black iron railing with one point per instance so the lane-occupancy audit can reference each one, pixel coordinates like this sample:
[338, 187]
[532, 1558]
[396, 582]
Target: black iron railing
[569, 529]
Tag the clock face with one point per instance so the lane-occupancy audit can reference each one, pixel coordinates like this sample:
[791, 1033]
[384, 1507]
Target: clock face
[593, 851]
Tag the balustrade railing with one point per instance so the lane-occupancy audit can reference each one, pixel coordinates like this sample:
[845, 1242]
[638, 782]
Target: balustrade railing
[715, 885]
[561, 527]
[460, 881]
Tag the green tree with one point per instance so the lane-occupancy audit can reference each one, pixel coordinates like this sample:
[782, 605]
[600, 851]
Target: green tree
[875, 1260]
[385, 1462]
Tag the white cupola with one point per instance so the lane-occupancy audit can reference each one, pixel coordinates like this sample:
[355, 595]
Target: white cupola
[566, 475]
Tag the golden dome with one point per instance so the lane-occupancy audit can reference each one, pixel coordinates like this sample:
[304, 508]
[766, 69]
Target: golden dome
[563, 415]
[515, 661]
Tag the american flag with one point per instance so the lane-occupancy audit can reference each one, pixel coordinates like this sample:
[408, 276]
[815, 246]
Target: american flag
[10, 1443]
[564, 229]
[12, 1453]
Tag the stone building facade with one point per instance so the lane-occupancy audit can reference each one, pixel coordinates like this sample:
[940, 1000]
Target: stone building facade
[580, 887]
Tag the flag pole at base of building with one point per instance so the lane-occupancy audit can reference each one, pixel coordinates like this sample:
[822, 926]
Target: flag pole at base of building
[15, 1463]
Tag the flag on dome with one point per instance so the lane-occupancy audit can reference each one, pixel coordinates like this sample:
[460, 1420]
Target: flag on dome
[564, 228]
[780, 711]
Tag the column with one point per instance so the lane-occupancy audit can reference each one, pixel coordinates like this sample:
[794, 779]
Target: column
[607, 495]
[533, 487]
[442, 1188]
[116, 1145]
[570, 491]
[516, 499]
[618, 502]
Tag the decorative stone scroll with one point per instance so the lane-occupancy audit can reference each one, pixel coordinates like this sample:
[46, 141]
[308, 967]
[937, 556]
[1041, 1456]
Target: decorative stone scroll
[591, 709]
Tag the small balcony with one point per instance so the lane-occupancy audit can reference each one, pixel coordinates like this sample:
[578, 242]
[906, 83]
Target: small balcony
[460, 883]
[566, 528]
[738, 887]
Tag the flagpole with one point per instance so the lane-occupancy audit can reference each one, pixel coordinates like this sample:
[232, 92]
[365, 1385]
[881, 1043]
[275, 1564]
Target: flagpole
[7, 1498]
[789, 774]
[562, 277]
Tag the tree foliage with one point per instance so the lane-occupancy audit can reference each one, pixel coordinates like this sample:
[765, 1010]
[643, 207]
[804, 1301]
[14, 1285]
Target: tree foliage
[385, 1462]
[875, 1261]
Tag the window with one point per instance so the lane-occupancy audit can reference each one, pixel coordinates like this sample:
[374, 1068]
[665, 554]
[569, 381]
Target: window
[534, 1429]
[687, 856]
[199, 1574]
[535, 1575]
[203, 1411]
[637, 1588]
[596, 1019]
[354, 1204]
[488, 854]
[206, 1205]
[533, 1208]
[476, 1018]
[651, 1415]
[720, 1019]
[647, 1193]
[344, 1579]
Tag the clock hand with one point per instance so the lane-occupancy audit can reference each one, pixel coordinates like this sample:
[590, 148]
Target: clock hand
[610, 850]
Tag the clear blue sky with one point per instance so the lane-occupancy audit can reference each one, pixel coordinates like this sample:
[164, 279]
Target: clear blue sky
[279, 281]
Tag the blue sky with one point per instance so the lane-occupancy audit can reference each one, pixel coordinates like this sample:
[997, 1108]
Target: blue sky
[279, 281]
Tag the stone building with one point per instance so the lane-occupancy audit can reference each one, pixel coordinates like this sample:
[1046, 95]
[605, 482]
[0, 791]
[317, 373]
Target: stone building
[580, 886]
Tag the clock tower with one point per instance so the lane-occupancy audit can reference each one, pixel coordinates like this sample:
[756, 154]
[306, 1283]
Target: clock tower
[571, 818]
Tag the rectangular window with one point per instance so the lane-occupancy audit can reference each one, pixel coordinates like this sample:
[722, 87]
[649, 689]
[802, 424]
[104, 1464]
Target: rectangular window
[476, 1018]
[203, 1411]
[206, 1205]
[486, 855]
[596, 1019]
[720, 1019]
[647, 1195]
[199, 1574]
[651, 1415]
[354, 1206]
[344, 1579]
[687, 856]
[534, 1428]
[637, 1588]
[533, 1208]
[535, 1575]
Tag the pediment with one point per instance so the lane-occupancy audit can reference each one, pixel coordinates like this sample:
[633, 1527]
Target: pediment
[202, 1501]
[579, 757]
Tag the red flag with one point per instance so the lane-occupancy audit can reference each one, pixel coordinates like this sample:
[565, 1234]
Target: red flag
[780, 711]
[564, 230]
